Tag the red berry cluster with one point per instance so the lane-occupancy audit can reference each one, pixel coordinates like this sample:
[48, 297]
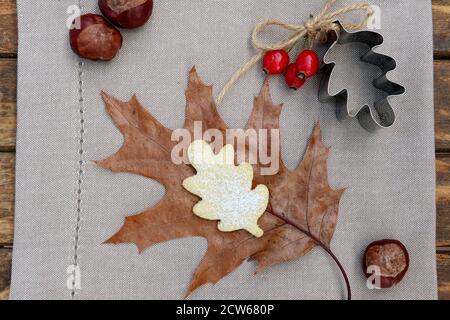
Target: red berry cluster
[295, 74]
[96, 38]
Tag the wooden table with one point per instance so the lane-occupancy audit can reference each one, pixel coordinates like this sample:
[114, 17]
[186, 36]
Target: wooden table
[8, 77]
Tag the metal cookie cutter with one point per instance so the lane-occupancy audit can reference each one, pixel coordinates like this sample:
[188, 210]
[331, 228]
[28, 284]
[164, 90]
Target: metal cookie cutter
[381, 114]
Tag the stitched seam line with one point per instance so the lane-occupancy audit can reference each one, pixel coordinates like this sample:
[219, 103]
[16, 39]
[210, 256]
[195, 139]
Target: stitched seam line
[79, 181]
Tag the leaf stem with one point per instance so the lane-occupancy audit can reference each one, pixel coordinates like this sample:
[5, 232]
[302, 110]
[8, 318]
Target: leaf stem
[322, 245]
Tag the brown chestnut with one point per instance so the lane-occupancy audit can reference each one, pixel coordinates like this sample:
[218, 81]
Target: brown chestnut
[391, 260]
[127, 14]
[95, 39]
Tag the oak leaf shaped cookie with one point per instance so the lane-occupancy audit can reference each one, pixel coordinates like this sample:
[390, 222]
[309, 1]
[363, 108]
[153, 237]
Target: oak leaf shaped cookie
[225, 189]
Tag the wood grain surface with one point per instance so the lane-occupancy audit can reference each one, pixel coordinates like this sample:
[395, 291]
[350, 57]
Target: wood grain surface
[442, 108]
[441, 21]
[8, 75]
[6, 198]
[8, 28]
[8, 78]
[5, 272]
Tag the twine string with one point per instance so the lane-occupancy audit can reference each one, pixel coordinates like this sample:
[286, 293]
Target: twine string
[316, 28]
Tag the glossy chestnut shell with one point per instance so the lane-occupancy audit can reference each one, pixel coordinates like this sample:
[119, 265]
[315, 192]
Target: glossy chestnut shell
[392, 259]
[96, 39]
[127, 14]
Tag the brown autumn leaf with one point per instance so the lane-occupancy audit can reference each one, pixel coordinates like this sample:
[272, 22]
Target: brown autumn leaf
[299, 200]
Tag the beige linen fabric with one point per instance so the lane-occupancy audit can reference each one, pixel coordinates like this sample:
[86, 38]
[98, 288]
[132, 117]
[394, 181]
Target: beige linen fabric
[390, 174]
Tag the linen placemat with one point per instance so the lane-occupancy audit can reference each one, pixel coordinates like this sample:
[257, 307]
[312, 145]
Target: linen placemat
[63, 214]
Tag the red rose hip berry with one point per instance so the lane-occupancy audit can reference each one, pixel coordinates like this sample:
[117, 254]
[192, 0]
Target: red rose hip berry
[307, 64]
[275, 62]
[292, 79]
[390, 258]
[95, 39]
[127, 14]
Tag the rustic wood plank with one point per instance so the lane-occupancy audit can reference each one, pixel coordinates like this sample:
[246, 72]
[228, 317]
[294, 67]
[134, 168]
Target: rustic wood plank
[443, 268]
[6, 230]
[8, 28]
[7, 161]
[5, 272]
[443, 201]
[442, 107]
[8, 88]
[441, 20]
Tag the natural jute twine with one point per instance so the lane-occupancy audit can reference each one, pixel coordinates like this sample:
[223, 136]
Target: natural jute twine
[316, 28]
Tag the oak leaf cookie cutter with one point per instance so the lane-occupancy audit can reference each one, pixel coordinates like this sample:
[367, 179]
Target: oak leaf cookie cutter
[381, 114]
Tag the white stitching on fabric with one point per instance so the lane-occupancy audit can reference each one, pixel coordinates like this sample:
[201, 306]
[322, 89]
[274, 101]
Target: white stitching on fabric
[80, 173]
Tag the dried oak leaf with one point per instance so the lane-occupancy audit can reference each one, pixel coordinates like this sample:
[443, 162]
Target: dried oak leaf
[301, 198]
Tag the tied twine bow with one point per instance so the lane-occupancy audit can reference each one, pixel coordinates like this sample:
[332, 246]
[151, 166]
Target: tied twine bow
[316, 28]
